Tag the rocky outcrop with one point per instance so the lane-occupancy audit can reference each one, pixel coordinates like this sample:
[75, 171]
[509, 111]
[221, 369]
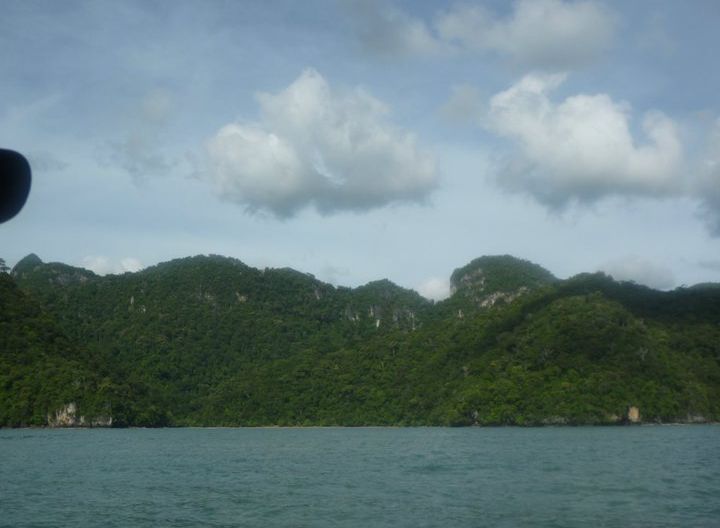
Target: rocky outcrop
[399, 317]
[505, 297]
[498, 279]
[473, 285]
[470, 280]
[64, 417]
[67, 416]
[101, 421]
[612, 419]
[633, 415]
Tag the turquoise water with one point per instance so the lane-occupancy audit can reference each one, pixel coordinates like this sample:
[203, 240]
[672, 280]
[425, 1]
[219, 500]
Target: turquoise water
[370, 477]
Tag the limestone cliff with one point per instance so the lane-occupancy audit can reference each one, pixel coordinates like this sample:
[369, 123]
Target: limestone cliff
[67, 416]
[490, 280]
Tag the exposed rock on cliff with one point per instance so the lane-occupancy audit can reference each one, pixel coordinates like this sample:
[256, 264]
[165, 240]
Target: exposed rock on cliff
[490, 280]
[633, 414]
[67, 416]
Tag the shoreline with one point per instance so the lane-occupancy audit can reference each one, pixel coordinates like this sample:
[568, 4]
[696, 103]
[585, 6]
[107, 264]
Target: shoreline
[539, 426]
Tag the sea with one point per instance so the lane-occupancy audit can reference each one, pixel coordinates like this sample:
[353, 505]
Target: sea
[633, 476]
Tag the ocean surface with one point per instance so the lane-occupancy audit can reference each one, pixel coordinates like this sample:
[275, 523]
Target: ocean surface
[650, 476]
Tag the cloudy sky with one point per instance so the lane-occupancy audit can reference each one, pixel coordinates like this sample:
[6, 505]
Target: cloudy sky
[359, 140]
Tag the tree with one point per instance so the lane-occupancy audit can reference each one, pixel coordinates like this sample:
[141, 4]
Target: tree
[3, 267]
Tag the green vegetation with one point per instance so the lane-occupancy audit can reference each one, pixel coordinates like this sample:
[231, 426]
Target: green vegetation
[491, 274]
[211, 341]
[40, 368]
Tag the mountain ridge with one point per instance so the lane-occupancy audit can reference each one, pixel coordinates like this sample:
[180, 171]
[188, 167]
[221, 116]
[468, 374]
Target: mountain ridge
[536, 275]
[208, 340]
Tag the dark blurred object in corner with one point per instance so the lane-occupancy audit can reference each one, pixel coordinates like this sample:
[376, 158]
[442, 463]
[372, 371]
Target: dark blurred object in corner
[14, 183]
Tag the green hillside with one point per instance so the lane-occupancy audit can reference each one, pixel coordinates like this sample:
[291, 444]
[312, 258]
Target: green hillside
[211, 341]
[41, 370]
[492, 274]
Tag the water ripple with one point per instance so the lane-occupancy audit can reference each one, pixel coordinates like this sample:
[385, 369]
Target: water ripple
[500, 477]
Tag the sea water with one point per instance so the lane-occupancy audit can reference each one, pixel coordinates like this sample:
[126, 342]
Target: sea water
[650, 476]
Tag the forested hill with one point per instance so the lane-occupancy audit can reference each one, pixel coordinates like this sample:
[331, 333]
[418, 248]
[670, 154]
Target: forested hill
[209, 340]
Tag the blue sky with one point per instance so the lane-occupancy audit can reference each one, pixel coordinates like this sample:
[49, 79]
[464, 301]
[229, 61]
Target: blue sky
[359, 140]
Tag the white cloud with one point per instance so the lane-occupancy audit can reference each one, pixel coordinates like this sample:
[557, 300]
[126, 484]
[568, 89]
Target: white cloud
[334, 274]
[545, 34]
[130, 264]
[582, 148]
[315, 146]
[552, 34]
[641, 271]
[103, 265]
[435, 288]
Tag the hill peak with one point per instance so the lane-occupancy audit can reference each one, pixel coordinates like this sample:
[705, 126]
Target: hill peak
[27, 263]
[498, 273]
[31, 269]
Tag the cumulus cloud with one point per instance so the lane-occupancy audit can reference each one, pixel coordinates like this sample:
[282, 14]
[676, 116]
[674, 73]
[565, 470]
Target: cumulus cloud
[104, 266]
[316, 146]
[551, 34]
[641, 271]
[435, 288]
[586, 147]
[546, 34]
[582, 148]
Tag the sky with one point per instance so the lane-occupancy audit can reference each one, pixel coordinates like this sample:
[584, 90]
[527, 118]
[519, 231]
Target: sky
[360, 140]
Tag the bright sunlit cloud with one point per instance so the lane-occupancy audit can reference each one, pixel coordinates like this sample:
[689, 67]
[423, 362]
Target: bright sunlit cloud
[102, 265]
[317, 146]
[567, 132]
[582, 148]
[435, 288]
